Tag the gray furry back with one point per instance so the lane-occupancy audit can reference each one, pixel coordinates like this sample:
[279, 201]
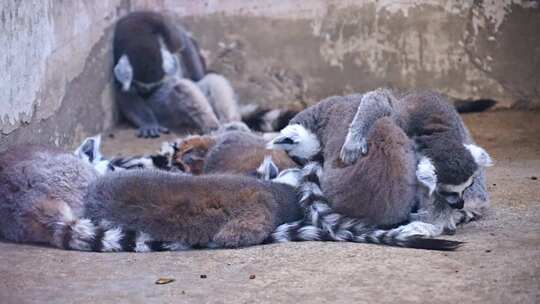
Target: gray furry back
[33, 177]
[135, 209]
[381, 186]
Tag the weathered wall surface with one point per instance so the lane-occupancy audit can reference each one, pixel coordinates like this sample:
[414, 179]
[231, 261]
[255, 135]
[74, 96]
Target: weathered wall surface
[56, 65]
[297, 50]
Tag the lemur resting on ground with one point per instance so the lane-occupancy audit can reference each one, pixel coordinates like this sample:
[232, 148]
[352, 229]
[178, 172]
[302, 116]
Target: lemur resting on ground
[319, 132]
[49, 196]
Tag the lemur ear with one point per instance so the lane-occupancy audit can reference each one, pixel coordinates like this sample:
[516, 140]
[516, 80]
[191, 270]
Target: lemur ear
[425, 173]
[481, 157]
[168, 62]
[267, 170]
[291, 176]
[123, 72]
[89, 149]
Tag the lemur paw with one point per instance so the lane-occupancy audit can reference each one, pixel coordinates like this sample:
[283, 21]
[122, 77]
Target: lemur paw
[352, 150]
[151, 131]
[465, 216]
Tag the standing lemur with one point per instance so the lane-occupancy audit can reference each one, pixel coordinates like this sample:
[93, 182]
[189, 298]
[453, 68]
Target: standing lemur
[161, 78]
[319, 132]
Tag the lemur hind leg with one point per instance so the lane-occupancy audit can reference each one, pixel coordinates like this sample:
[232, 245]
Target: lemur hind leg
[221, 96]
[374, 105]
[250, 227]
[187, 105]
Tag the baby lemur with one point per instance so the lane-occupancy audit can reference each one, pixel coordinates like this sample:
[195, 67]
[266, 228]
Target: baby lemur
[49, 196]
[162, 80]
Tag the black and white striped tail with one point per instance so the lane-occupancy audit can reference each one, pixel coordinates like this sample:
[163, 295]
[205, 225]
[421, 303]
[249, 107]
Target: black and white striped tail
[320, 223]
[266, 120]
[82, 234]
[140, 162]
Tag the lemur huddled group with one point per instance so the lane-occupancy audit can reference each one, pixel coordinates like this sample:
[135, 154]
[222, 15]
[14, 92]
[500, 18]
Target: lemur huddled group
[383, 167]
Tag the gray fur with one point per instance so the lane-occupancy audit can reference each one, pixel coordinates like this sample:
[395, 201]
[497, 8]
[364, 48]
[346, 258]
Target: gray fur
[52, 197]
[221, 96]
[381, 188]
[35, 182]
[439, 133]
[321, 223]
[239, 211]
[192, 108]
[151, 54]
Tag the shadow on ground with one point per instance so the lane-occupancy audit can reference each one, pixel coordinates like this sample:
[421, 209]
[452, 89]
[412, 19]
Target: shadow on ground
[500, 263]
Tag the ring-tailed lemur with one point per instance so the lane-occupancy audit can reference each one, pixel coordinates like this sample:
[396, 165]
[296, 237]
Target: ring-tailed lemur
[322, 223]
[161, 78]
[89, 151]
[265, 119]
[321, 130]
[233, 152]
[440, 136]
[381, 188]
[77, 209]
[239, 152]
[49, 196]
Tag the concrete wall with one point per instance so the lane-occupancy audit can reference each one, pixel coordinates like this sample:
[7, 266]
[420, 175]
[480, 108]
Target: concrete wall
[55, 63]
[55, 83]
[296, 50]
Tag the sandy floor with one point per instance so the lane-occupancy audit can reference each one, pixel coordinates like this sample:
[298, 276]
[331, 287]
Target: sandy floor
[500, 263]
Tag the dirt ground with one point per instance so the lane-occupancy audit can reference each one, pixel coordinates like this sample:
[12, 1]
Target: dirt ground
[500, 262]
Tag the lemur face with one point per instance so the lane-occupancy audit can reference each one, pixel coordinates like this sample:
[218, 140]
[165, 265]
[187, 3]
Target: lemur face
[449, 193]
[125, 73]
[297, 141]
[453, 194]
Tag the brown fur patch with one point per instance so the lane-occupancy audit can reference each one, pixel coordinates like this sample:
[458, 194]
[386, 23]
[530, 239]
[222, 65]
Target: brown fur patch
[191, 154]
[211, 154]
